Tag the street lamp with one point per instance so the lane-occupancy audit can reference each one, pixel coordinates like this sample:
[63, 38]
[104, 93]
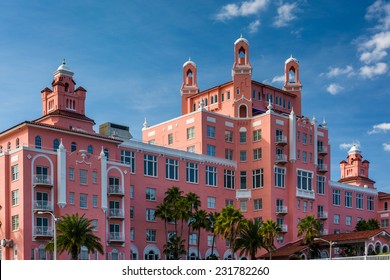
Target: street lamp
[331, 243]
[54, 230]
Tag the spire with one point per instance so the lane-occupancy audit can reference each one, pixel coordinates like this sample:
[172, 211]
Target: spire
[63, 70]
[146, 125]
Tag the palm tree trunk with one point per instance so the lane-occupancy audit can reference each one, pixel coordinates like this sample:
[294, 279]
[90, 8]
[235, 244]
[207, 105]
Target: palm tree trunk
[199, 243]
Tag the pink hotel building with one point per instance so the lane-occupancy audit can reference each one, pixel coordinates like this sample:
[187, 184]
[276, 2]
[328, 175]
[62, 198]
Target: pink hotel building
[241, 143]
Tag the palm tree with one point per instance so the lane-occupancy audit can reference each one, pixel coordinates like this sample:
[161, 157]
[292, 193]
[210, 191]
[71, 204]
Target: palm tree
[199, 221]
[269, 230]
[249, 239]
[210, 226]
[172, 196]
[193, 203]
[163, 212]
[73, 233]
[174, 248]
[309, 227]
[226, 225]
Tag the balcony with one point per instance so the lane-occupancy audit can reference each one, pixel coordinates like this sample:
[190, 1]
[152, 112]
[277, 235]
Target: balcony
[115, 190]
[42, 180]
[116, 213]
[43, 232]
[322, 215]
[281, 140]
[322, 168]
[116, 237]
[243, 194]
[281, 159]
[43, 205]
[283, 228]
[281, 210]
[322, 150]
[305, 193]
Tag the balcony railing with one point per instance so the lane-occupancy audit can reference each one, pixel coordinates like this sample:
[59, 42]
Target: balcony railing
[305, 193]
[322, 150]
[45, 205]
[115, 189]
[43, 231]
[243, 194]
[281, 209]
[322, 168]
[281, 158]
[42, 179]
[116, 236]
[323, 215]
[281, 140]
[116, 213]
[283, 228]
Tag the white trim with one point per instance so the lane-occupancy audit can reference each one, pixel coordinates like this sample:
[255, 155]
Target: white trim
[348, 187]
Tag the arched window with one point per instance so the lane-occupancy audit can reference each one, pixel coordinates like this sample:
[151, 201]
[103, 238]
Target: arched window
[84, 255]
[241, 56]
[114, 254]
[385, 206]
[189, 78]
[66, 87]
[211, 99]
[38, 142]
[151, 255]
[56, 145]
[193, 256]
[243, 112]
[106, 153]
[9, 146]
[90, 149]
[73, 147]
[291, 74]
[41, 252]
[17, 143]
[205, 102]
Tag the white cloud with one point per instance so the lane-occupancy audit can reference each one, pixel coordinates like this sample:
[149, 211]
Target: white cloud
[375, 48]
[370, 71]
[347, 146]
[386, 147]
[382, 127]
[246, 8]
[380, 11]
[286, 14]
[254, 26]
[278, 79]
[334, 89]
[334, 72]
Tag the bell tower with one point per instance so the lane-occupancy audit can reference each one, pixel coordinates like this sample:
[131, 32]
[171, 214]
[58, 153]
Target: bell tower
[292, 83]
[189, 86]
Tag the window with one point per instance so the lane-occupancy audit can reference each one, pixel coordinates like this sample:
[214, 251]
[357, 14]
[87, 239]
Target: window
[242, 179]
[359, 201]
[191, 149]
[15, 197]
[106, 153]
[151, 235]
[211, 203]
[336, 197]
[256, 135]
[242, 156]
[56, 145]
[94, 201]
[41, 174]
[71, 198]
[228, 136]
[190, 133]
[348, 220]
[304, 179]
[258, 178]
[131, 212]
[257, 154]
[172, 169]
[385, 206]
[210, 239]
[193, 238]
[304, 206]
[242, 137]
[211, 176]
[150, 165]
[229, 154]
[9, 146]
[228, 179]
[128, 157]
[152, 142]
[211, 150]
[258, 204]
[83, 177]
[348, 199]
[170, 138]
[336, 219]
[192, 172]
[304, 138]
[71, 173]
[243, 205]
[94, 177]
[304, 157]
[38, 142]
[83, 200]
[210, 131]
[131, 191]
[228, 95]
[73, 147]
[222, 97]
[384, 223]
[280, 174]
[90, 149]
[15, 172]
[321, 184]
[132, 234]
[15, 222]
[150, 194]
[370, 203]
[150, 215]
[229, 202]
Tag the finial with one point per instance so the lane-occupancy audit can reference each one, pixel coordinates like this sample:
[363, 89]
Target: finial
[201, 105]
[63, 61]
[146, 125]
[324, 123]
[241, 35]
[269, 107]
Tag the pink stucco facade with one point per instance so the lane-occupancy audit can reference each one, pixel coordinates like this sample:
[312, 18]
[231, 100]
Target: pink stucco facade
[242, 143]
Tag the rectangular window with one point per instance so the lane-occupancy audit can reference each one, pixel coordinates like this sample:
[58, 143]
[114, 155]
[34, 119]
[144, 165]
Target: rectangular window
[210, 131]
[348, 220]
[211, 176]
[210, 239]
[150, 194]
[190, 133]
[191, 149]
[83, 177]
[348, 199]
[128, 158]
[304, 138]
[229, 202]
[228, 179]
[242, 156]
[243, 205]
[15, 222]
[150, 215]
[336, 219]
[304, 157]
[150, 165]
[71, 173]
[359, 201]
[83, 200]
[304, 180]
[94, 225]
[228, 95]
[211, 150]
[370, 203]
[131, 191]
[304, 206]
[172, 169]
[256, 135]
[94, 201]
[242, 179]
[71, 198]
[15, 172]
[258, 178]
[211, 202]
[280, 176]
[151, 235]
[257, 154]
[222, 97]
[321, 184]
[15, 197]
[242, 137]
[384, 223]
[228, 136]
[258, 204]
[336, 197]
[193, 238]
[94, 177]
[132, 234]
[192, 172]
[229, 154]
[170, 138]
[131, 212]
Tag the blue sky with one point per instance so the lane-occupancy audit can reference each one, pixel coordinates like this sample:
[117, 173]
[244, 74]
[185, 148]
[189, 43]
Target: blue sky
[129, 56]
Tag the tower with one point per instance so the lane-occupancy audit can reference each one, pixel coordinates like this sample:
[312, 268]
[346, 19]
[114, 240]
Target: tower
[292, 83]
[189, 85]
